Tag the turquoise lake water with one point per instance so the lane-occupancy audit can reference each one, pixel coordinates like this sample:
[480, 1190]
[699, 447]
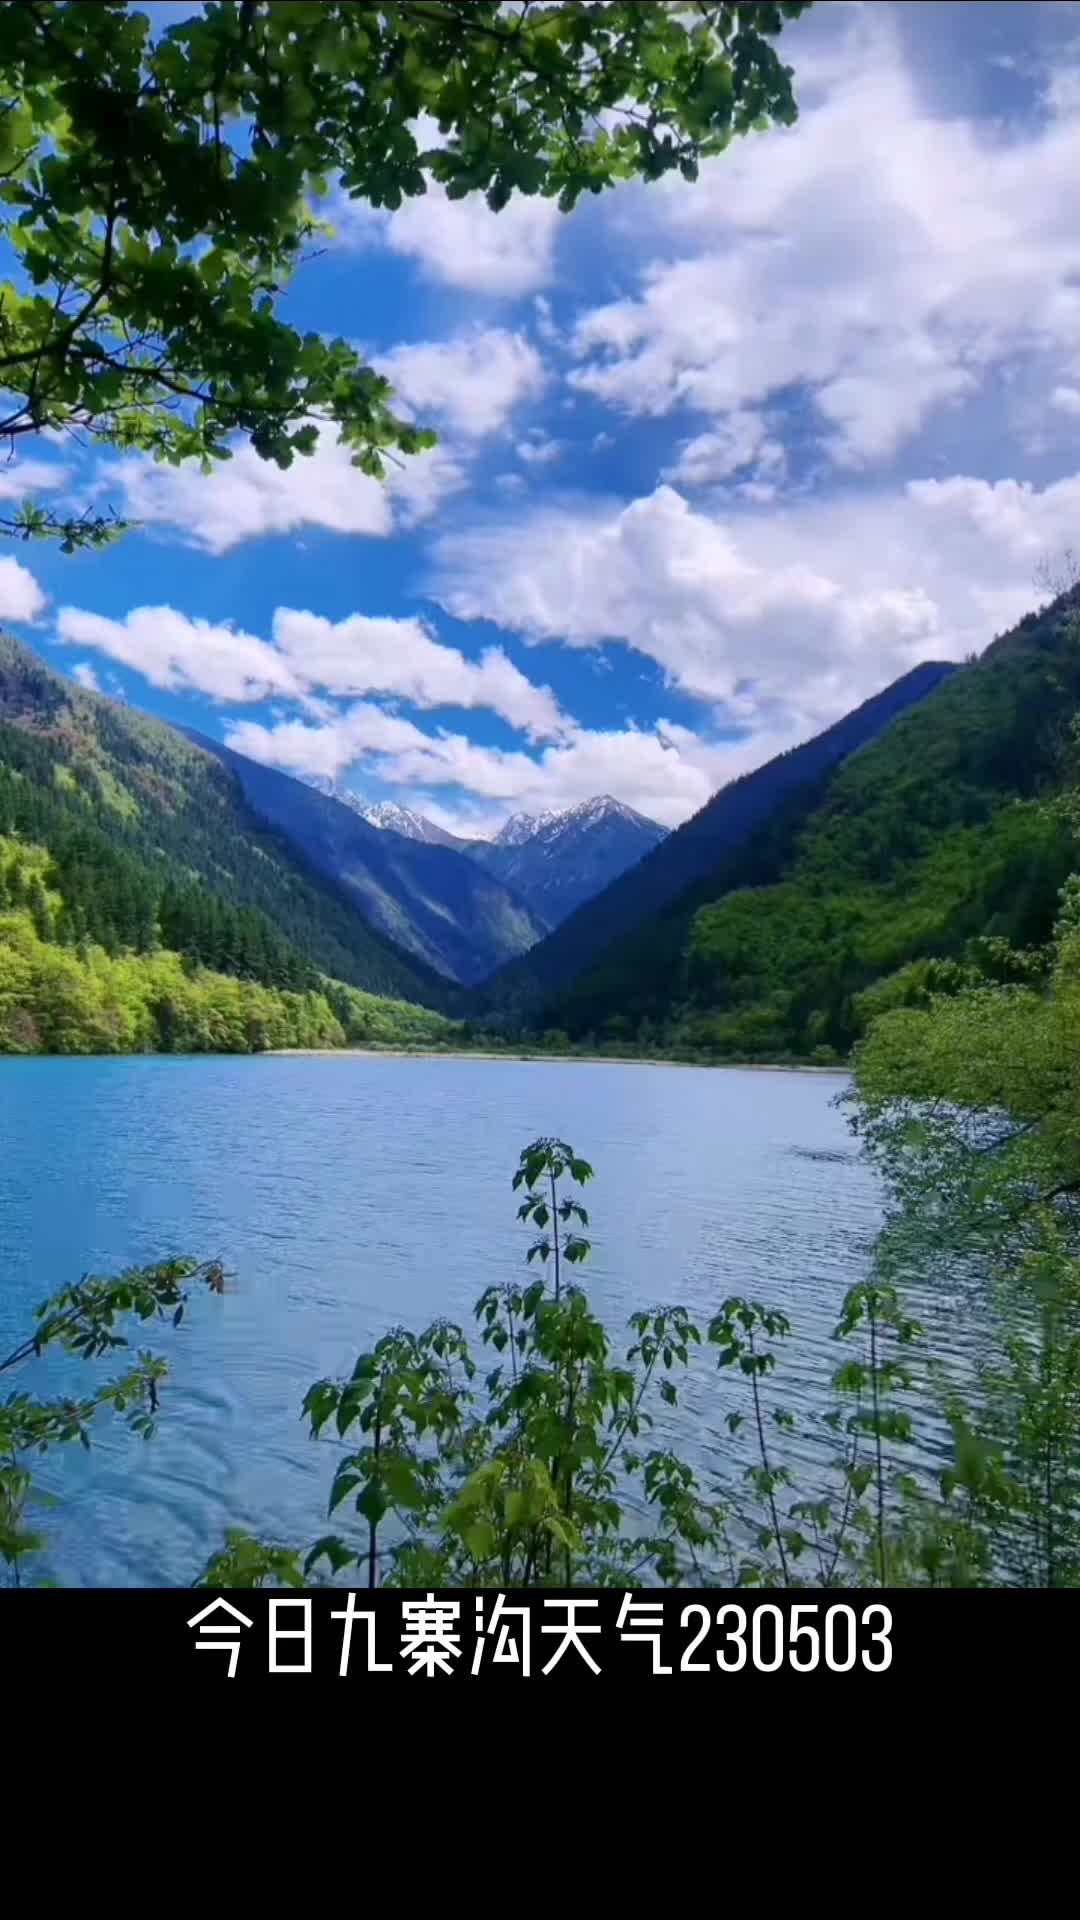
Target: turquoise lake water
[350, 1194]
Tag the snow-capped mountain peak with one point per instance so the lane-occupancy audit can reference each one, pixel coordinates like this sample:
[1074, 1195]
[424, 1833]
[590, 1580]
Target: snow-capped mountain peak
[387, 815]
[525, 826]
[551, 861]
[598, 811]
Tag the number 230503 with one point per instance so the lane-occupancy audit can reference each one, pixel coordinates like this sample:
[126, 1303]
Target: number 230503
[802, 1637]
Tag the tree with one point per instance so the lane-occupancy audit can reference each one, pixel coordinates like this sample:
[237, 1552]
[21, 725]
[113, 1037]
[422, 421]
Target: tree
[158, 191]
[969, 1105]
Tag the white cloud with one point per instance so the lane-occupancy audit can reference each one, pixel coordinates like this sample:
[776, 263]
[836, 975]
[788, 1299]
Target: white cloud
[403, 657]
[310, 657]
[1066, 399]
[740, 441]
[538, 449]
[299, 747]
[545, 320]
[461, 243]
[246, 497]
[879, 253]
[473, 382]
[788, 617]
[666, 773]
[20, 596]
[20, 477]
[85, 674]
[176, 652]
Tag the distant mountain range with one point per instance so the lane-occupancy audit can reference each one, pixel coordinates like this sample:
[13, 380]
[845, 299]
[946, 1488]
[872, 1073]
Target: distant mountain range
[417, 911]
[551, 861]
[426, 897]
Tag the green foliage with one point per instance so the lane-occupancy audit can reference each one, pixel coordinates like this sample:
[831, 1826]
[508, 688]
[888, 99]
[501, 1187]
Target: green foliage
[969, 1105]
[517, 1475]
[85, 1322]
[544, 1468]
[86, 999]
[534, 1473]
[159, 191]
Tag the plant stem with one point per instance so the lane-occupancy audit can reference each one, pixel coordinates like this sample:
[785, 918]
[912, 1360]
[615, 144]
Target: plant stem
[766, 1464]
[871, 1309]
[1047, 1370]
[555, 1237]
[513, 1340]
[373, 1524]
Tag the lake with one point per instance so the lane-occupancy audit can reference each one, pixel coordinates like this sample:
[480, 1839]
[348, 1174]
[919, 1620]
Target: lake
[348, 1194]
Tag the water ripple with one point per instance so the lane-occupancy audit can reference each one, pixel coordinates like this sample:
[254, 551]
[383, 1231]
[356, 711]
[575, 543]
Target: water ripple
[350, 1194]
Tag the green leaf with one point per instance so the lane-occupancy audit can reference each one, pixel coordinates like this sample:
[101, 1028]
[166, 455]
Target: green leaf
[481, 1539]
[372, 1503]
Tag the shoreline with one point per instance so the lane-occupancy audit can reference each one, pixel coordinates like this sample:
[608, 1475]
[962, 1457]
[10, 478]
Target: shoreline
[550, 1059]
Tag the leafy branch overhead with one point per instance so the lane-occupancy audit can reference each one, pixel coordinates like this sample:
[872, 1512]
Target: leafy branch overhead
[158, 192]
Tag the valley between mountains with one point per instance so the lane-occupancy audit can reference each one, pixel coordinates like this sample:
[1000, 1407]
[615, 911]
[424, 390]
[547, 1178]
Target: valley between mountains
[160, 892]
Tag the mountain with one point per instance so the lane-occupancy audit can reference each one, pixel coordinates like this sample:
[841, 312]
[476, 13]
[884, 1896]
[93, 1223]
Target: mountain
[557, 860]
[143, 905]
[898, 872]
[525, 826]
[550, 861]
[390, 818]
[697, 848]
[431, 901]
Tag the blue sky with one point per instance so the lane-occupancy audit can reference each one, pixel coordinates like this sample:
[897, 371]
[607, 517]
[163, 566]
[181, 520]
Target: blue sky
[716, 462]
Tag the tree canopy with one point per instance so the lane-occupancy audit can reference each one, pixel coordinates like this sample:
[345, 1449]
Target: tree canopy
[157, 190]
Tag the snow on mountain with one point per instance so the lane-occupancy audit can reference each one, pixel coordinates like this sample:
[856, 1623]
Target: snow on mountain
[389, 817]
[557, 859]
[601, 811]
[552, 860]
[524, 826]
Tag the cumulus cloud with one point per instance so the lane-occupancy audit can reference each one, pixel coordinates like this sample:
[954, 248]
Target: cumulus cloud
[245, 497]
[473, 383]
[20, 477]
[786, 616]
[178, 653]
[880, 254]
[84, 673]
[20, 596]
[326, 748]
[403, 657]
[310, 657]
[740, 441]
[461, 243]
[666, 772]
[538, 449]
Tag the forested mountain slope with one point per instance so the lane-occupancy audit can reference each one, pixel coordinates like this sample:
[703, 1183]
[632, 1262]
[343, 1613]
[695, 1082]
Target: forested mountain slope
[143, 827]
[935, 836]
[65, 990]
[698, 848]
[430, 900]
